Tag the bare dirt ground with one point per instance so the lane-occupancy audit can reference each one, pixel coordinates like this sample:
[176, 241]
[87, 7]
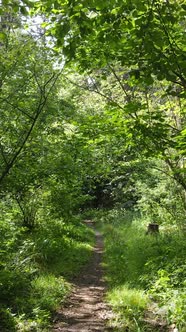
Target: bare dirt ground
[86, 310]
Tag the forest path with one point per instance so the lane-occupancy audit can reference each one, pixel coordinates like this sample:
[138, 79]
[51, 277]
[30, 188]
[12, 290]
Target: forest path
[85, 310]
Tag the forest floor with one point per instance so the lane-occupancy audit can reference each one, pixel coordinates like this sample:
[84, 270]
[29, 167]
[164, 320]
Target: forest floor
[85, 310]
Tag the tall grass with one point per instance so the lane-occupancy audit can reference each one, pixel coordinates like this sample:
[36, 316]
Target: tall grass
[129, 304]
[141, 267]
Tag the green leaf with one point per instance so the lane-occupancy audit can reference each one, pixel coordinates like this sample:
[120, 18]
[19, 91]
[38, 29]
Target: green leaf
[23, 10]
[3, 36]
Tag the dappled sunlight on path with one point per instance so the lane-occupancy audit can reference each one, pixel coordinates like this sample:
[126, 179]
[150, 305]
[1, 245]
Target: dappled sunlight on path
[85, 309]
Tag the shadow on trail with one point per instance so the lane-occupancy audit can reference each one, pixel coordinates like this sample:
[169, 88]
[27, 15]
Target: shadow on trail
[85, 310]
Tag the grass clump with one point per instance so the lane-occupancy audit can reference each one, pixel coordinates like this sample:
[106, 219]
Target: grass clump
[128, 304]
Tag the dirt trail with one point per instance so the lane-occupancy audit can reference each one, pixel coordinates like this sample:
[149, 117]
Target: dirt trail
[85, 309]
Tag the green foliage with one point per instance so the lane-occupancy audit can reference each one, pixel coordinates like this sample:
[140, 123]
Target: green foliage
[128, 305]
[160, 198]
[132, 55]
[56, 239]
[48, 292]
[136, 262]
[111, 136]
[146, 37]
[32, 266]
[7, 322]
[25, 93]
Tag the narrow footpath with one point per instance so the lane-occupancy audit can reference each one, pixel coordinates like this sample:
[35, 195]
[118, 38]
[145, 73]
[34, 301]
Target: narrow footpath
[85, 310]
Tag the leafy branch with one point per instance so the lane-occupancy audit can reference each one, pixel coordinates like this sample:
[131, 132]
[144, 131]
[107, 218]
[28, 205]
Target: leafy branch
[41, 104]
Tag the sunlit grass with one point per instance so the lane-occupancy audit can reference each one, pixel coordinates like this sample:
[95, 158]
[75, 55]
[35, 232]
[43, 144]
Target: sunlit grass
[138, 266]
[128, 304]
[49, 291]
[126, 298]
[71, 260]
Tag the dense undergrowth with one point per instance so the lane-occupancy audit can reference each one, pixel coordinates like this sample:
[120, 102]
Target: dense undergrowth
[36, 268]
[146, 274]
